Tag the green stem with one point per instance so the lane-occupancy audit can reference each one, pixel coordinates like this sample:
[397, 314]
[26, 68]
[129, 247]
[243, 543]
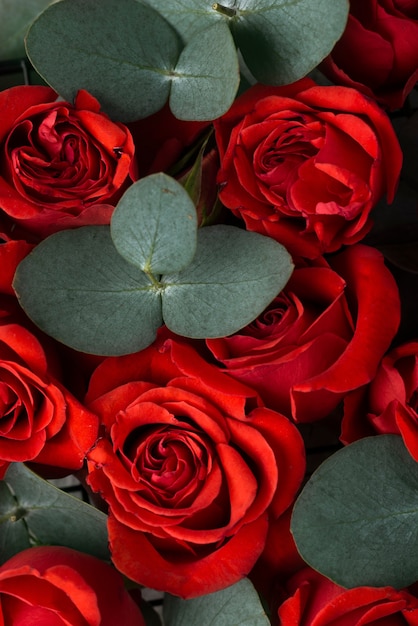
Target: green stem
[155, 283]
[224, 10]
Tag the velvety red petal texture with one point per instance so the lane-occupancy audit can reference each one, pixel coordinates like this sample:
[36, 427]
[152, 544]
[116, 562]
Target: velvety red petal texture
[313, 600]
[62, 165]
[305, 164]
[181, 573]
[59, 586]
[192, 466]
[377, 53]
[321, 338]
[389, 403]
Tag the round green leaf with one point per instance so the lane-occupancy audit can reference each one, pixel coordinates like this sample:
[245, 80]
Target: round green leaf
[280, 41]
[238, 605]
[234, 275]
[356, 520]
[154, 225]
[206, 76]
[78, 289]
[121, 51]
[48, 515]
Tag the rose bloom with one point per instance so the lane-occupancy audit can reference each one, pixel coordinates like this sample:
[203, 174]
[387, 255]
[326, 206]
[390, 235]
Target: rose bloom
[61, 165]
[321, 337]
[316, 601]
[40, 420]
[62, 587]
[305, 164]
[389, 404]
[378, 52]
[192, 467]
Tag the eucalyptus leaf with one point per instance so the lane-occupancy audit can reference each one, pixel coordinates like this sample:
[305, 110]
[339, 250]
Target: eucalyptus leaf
[154, 225]
[189, 17]
[50, 516]
[14, 535]
[130, 58]
[237, 605]
[15, 19]
[280, 40]
[234, 275]
[356, 520]
[206, 78]
[77, 288]
[121, 51]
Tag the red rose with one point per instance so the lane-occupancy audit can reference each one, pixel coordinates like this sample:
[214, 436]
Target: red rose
[322, 337]
[316, 601]
[59, 162]
[191, 466]
[378, 51]
[389, 404]
[40, 420]
[306, 164]
[62, 587]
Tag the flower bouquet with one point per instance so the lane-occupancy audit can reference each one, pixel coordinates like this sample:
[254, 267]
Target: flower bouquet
[208, 275]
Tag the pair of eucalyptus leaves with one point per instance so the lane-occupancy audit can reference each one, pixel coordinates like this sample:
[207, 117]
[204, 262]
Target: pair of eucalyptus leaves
[107, 289]
[133, 56]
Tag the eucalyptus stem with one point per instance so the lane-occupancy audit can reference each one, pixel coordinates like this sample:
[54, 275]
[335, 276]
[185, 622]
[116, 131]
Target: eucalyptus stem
[155, 283]
[224, 10]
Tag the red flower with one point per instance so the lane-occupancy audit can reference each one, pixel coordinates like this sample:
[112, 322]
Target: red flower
[191, 467]
[378, 52]
[40, 420]
[389, 404]
[61, 165]
[63, 587]
[316, 601]
[306, 164]
[322, 337]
